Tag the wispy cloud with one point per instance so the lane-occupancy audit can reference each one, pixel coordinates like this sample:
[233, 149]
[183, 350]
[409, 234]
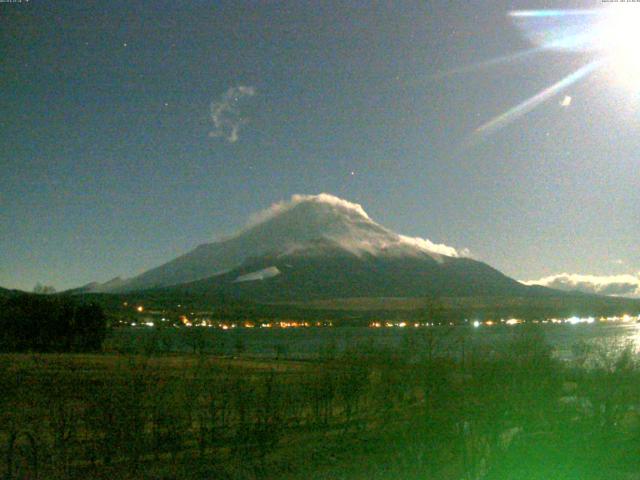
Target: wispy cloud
[227, 115]
[429, 246]
[627, 285]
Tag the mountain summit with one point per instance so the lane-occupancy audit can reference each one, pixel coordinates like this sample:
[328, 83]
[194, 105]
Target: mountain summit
[321, 246]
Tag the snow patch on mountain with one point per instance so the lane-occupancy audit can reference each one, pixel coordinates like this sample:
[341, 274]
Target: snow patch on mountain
[263, 274]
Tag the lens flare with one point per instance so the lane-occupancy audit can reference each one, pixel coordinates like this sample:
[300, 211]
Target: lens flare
[529, 104]
[610, 36]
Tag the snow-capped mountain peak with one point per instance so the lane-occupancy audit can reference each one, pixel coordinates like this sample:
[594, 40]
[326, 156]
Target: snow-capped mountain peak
[310, 217]
[303, 225]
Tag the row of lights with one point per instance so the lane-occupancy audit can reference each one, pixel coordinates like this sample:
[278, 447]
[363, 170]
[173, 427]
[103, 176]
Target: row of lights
[570, 320]
[184, 321]
[476, 323]
[513, 321]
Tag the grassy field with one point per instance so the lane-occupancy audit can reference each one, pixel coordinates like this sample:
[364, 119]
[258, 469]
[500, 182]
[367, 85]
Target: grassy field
[411, 413]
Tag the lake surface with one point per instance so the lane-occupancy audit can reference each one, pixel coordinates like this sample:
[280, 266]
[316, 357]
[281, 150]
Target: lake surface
[305, 343]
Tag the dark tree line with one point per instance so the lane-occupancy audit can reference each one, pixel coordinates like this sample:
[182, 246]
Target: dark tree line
[50, 324]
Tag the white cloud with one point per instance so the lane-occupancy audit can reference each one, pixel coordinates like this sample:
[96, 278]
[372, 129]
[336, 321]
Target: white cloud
[428, 245]
[226, 113]
[627, 285]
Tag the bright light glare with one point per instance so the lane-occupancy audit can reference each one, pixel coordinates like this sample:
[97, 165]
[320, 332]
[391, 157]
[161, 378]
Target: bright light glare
[577, 320]
[621, 41]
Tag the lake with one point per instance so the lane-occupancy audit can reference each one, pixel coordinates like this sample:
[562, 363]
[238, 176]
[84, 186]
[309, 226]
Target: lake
[309, 343]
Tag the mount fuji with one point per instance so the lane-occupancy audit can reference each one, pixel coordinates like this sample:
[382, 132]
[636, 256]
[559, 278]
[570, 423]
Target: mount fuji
[318, 247]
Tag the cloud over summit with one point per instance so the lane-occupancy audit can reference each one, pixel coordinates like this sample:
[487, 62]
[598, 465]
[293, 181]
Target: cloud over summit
[352, 227]
[297, 199]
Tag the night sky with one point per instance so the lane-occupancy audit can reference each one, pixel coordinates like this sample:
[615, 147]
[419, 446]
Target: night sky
[130, 132]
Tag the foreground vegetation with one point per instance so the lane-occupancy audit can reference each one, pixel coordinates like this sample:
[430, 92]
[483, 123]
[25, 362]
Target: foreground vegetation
[47, 323]
[418, 412]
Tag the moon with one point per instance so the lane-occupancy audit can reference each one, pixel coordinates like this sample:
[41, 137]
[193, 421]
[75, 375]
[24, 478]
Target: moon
[620, 33]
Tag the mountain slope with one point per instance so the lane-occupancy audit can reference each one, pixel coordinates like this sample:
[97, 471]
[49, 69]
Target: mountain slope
[302, 277]
[5, 292]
